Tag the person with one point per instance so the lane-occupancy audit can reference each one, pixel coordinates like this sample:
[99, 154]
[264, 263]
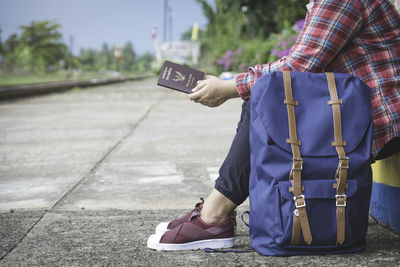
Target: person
[358, 37]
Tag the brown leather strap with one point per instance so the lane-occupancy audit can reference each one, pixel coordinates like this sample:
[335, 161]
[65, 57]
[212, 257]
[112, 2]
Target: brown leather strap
[296, 228]
[294, 103]
[295, 173]
[291, 141]
[340, 221]
[331, 102]
[341, 172]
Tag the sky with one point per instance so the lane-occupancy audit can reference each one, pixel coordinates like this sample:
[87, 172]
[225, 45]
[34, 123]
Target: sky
[94, 22]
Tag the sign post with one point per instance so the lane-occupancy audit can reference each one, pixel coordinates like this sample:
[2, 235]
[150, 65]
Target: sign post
[178, 51]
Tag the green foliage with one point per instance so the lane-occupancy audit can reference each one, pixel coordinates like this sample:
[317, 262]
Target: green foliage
[1, 45]
[249, 19]
[11, 44]
[248, 26]
[60, 75]
[144, 62]
[87, 59]
[156, 68]
[40, 46]
[103, 60]
[128, 57]
[10, 56]
[40, 49]
[257, 51]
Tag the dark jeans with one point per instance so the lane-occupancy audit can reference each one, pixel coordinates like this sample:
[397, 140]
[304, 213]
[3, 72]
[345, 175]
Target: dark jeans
[233, 180]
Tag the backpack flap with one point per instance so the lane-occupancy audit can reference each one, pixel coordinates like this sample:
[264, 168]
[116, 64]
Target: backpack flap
[313, 114]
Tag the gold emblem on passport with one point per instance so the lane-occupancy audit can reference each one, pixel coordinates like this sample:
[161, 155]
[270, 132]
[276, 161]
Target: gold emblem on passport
[179, 77]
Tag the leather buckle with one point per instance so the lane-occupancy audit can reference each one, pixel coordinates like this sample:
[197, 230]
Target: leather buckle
[343, 197]
[343, 163]
[294, 168]
[299, 197]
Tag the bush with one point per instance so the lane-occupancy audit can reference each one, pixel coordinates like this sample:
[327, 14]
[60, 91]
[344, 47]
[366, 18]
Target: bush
[239, 57]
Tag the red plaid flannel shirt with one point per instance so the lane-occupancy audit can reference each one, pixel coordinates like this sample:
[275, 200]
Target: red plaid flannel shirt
[359, 37]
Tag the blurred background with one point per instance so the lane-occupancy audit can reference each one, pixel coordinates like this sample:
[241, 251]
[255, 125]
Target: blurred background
[51, 40]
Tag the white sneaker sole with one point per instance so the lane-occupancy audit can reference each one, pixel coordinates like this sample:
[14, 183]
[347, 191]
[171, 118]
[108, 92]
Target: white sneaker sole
[154, 243]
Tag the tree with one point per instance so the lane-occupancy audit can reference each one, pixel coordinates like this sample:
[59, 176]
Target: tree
[40, 46]
[144, 61]
[9, 48]
[11, 44]
[128, 57]
[244, 19]
[105, 57]
[1, 45]
[87, 59]
[209, 14]
[242, 23]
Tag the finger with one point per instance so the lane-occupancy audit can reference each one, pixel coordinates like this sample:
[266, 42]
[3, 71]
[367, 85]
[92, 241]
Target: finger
[203, 102]
[200, 84]
[197, 95]
[193, 98]
[200, 99]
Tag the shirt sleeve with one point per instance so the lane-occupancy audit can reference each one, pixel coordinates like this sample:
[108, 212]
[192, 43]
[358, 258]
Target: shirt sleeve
[329, 25]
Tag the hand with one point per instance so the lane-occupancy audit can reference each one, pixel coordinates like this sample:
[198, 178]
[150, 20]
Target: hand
[212, 91]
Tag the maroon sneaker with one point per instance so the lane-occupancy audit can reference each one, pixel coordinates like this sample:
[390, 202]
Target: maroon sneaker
[196, 234]
[165, 226]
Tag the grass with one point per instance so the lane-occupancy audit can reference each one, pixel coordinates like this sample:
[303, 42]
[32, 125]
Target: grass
[28, 78]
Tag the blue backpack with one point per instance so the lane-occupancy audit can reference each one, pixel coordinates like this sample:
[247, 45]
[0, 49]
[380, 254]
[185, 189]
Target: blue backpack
[310, 178]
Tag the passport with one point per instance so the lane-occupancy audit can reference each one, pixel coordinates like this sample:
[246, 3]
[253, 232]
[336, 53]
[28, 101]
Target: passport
[179, 77]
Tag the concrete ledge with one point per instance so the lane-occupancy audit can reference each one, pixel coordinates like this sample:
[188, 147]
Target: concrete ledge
[385, 205]
[18, 91]
[385, 198]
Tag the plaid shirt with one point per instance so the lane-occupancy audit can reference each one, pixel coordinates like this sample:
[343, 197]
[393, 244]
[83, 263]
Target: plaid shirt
[361, 38]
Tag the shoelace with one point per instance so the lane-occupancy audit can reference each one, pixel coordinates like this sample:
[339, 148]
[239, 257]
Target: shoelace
[213, 250]
[248, 214]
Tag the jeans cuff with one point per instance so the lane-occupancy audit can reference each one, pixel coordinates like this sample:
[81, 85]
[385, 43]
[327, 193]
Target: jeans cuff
[220, 188]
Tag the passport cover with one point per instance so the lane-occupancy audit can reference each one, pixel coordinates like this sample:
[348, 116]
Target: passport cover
[179, 77]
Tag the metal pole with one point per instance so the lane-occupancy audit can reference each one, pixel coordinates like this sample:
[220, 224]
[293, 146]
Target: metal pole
[71, 44]
[170, 24]
[165, 20]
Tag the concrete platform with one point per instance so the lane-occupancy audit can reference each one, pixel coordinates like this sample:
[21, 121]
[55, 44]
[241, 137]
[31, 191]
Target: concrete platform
[118, 237]
[86, 175]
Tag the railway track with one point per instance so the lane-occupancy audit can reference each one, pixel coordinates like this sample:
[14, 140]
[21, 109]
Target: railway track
[19, 91]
